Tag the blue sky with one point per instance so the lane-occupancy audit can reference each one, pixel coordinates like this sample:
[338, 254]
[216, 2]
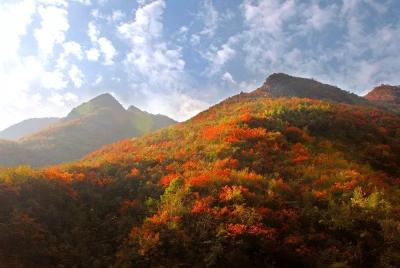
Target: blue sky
[178, 57]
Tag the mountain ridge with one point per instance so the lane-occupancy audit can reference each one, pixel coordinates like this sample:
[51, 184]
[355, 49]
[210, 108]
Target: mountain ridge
[293, 182]
[101, 120]
[26, 127]
[284, 85]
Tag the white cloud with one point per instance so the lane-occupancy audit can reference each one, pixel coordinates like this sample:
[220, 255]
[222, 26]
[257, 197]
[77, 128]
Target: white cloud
[20, 94]
[62, 100]
[71, 49]
[92, 54]
[269, 15]
[98, 80]
[93, 32]
[219, 57]
[265, 39]
[156, 69]
[318, 18]
[117, 15]
[14, 20]
[84, 2]
[227, 77]
[108, 50]
[210, 17]
[149, 56]
[100, 44]
[289, 36]
[183, 30]
[54, 24]
[195, 39]
[53, 80]
[76, 76]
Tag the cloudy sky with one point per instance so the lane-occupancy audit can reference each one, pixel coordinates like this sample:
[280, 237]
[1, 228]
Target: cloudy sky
[177, 57]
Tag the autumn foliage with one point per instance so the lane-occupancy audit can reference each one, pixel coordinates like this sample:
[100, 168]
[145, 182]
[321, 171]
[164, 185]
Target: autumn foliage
[248, 183]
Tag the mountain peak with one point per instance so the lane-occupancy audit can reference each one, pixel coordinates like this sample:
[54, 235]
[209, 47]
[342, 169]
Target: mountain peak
[384, 93]
[105, 98]
[284, 85]
[100, 103]
[133, 108]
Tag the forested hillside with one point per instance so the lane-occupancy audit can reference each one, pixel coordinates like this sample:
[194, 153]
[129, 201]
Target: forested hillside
[386, 96]
[251, 182]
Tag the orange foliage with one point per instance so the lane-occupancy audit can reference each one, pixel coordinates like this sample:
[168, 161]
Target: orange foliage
[245, 117]
[134, 172]
[227, 163]
[320, 194]
[239, 134]
[202, 205]
[199, 180]
[212, 132]
[300, 153]
[229, 193]
[166, 180]
[55, 173]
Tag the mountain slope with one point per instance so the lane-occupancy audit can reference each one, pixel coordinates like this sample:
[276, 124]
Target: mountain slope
[386, 96]
[283, 85]
[101, 121]
[251, 182]
[26, 127]
[147, 122]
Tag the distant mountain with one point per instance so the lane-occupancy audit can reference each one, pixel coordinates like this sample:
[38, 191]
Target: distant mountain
[386, 96]
[26, 127]
[101, 121]
[145, 122]
[284, 85]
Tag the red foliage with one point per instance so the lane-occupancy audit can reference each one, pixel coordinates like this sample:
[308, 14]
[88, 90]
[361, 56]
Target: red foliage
[227, 163]
[212, 132]
[128, 205]
[202, 205]
[166, 180]
[199, 180]
[236, 229]
[300, 153]
[134, 172]
[239, 134]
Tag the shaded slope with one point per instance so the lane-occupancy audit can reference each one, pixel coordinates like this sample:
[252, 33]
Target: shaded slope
[101, 121]
[283, 85]
[146, 122]
[386, 96]
[26, 127]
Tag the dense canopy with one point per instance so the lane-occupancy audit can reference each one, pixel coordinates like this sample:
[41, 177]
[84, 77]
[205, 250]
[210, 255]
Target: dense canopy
[251, 182]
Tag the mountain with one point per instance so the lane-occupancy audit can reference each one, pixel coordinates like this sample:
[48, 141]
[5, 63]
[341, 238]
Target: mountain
[26, 127]
[386, 96]
[100, 121]
[284, 85]
[147, 122]
[251, 182]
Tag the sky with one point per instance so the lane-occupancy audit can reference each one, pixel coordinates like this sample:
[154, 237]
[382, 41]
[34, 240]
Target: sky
[178, 57]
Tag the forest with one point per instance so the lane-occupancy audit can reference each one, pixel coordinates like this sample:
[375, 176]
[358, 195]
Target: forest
[262, 182]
